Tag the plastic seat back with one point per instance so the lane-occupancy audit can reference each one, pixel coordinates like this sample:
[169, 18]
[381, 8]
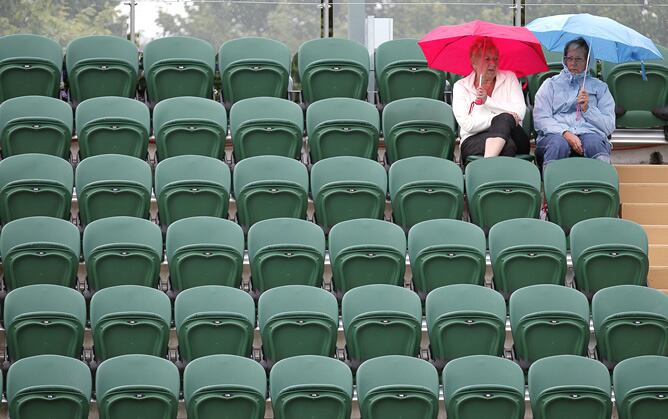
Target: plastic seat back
[342, 127]
[102, 65]
[204, 251]
[214, 319]
[254, 67]
[35, 124]
[418, 127]
[29, 65]
[112, 125]
[331, 67]
[641, 384]
[555, 64]
[178, 66]
[44, 319]
[35, 184]
[122, 251]
[190, 125]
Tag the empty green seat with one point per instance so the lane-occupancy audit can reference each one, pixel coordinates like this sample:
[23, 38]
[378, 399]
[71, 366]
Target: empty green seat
[579, 188]
[630, 320]
[381, 319]
[122, 251]
[189, 186]
[102, 65]
[112, 125]
[347, 187]
[40, 250]
[266, 126]
[285, 251]
[35, 124]
[29, 65]
[270, 187]
[423, 188]
[310, 386]
[190, 125]
[418, 127]
[465, 319]
[397, 387]
[254, 67]
[35, 184]
[214, 319]
[140, 386]
[401, 71]
[342, 127]
[113, 184]
[366, 251]
[130, 319]
[178, 66]
[204, 251]
[483, 386]
[49, 386]
[444, 252]
[569, 386]
[331, 67]
[607, 252]
[548, 320]
[555, 63]
[501, 188]
[641, 384]
[526, 251]
[44, 319]
[224, 383]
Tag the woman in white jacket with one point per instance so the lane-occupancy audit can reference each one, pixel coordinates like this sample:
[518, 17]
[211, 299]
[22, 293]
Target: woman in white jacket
[489, 107]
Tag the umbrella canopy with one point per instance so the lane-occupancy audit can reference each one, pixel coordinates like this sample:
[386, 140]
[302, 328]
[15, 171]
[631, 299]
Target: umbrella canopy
[447, 47]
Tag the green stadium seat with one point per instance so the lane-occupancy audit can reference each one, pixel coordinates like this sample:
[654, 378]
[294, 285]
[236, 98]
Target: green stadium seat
[396, 387]
[35, 124]
[342, 127]
[401, 72]
[607, 252]
[555, 63]
[424, 188]
[102, 65]
[418, 127]
[189, 186]
[366, 251]
[332, 67]
[640, 385]
[285, 251]
[204, 251]
[49, 386]
[178, 66]
[122, 251]
[140, 386]
[130, 319]
[189, 125]
[569, 386]
[483, 386]
[35, 184]
[231, 384]
[266, 126]
[463, 320]
[579, 188]
[311, 386]
[214, 319]
[254, 67]
[297, 320]
[44, 319]
[445, 252]
[109, 185]
[630, 320]
[270, 187]
[112, 125]
[40, 250]
[29, 65]
[347, 187]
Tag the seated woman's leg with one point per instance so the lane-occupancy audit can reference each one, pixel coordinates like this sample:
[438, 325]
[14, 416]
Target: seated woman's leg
[499, 141]
[552, 147]
[596, 147]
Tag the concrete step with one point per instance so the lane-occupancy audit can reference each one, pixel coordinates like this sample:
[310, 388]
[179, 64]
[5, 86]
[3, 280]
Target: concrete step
[658, 255]
[643, 193]
[657, 277]
[651, 214]
[657, 234]
[642, 173]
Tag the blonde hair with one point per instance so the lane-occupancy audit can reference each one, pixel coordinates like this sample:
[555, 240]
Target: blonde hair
[480, 46]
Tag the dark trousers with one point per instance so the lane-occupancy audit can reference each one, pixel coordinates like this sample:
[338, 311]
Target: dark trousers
[503, 126]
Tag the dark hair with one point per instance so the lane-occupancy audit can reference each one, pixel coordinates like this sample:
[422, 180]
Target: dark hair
[577, 43]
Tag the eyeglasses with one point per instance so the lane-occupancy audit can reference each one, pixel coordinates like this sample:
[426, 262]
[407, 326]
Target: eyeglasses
[576, 60]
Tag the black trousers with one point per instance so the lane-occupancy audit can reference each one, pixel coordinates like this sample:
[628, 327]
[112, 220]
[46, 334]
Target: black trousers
[503, 126]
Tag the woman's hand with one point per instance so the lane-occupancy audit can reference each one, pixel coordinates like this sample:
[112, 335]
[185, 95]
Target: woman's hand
[583, 100]
[480, 95]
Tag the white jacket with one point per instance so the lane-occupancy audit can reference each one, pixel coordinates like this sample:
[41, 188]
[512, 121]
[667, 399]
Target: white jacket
[506, 97]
